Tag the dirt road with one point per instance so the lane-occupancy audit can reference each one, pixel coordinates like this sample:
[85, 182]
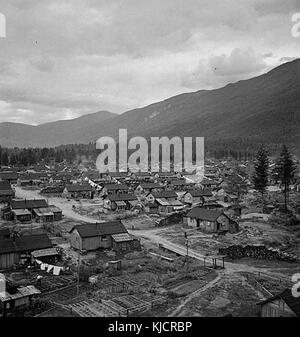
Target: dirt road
[63, 204]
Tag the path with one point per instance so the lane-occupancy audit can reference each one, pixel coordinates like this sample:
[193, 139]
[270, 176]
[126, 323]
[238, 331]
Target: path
[195, 294]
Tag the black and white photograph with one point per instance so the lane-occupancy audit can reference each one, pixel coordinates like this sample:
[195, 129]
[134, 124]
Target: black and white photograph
[149, 162]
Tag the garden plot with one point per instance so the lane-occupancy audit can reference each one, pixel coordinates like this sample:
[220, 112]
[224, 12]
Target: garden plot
[117, 284]
[232, 295]
[118, 307]
[54, 283]
[269, 285]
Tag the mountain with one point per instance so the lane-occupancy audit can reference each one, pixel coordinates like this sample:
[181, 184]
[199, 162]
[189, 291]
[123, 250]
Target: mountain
[50, 134]
[261, 109]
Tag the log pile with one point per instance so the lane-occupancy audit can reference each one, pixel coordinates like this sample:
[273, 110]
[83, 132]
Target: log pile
[256, 252]
[171, 219]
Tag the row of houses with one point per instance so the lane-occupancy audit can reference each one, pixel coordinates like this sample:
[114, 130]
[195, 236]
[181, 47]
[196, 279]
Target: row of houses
[25, 210]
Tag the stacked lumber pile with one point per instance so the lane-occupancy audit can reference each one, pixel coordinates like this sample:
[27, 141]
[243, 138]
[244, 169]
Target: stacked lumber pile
[171, 219]
[256, 252]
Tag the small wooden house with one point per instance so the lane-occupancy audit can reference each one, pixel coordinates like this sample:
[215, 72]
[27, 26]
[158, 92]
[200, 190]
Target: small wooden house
[9, 176]
[168, 195]
[115, 189]
[21, 215]
[106, 235]
[18, 250]
[6, 192]
[78, 191]
[145, 188]
[17, 298]
[120, 202]
[197, 196]
[281, 305]
[210, 221]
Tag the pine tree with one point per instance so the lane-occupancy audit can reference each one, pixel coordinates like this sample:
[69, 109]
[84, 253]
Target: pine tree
[284, 171]
[261, 166]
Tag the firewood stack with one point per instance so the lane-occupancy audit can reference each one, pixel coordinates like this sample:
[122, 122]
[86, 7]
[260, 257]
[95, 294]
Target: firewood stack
[256, 252]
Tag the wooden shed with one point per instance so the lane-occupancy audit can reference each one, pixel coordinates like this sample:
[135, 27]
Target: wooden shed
[211, 221]
[91, 237]
[18, 250]
[280, 305]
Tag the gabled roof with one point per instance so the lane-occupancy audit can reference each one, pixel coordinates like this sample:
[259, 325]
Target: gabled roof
[149, 185]
[8, 175]
[200, 192]
[115, 187]
[206, 181]
[28, 203]
[204, 214]
[4, 233]
[122, 197]
[24, 244]
[5, 188]
[78, 187]
[288, 298]
[162, 201]
[5, 185]
[164, 194]
[32, 175]
[104, 228]
[179, 182]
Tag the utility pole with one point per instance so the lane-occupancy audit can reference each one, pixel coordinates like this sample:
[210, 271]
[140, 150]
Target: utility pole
[187, 253]
[78, 271]
[187, 249]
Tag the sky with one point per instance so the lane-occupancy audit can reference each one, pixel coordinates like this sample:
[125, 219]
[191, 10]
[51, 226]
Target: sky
[64, 59]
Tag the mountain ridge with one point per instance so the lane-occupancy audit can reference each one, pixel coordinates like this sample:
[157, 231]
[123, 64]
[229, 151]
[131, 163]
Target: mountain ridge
[262, 108]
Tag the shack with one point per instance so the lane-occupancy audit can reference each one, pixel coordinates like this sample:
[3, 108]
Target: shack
[106, 235]
[281, 305]
[6, 192]
[18, 250]
[13, 299]
[211, 221]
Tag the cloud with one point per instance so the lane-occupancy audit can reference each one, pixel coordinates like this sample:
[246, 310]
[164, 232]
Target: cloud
[239, 62]
[67, 58]
[42, 63]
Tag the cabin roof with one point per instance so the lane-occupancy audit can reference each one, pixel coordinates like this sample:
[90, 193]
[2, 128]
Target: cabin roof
[200, 192]
[204, 214]
[98, 229]
[122, 197]
[25, 243]
[114, 187]
[28, 203]
[164, 194]
[78, 187]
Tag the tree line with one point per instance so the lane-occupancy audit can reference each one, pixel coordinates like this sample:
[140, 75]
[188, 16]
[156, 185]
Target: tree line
[283, 172]
[32, 156]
